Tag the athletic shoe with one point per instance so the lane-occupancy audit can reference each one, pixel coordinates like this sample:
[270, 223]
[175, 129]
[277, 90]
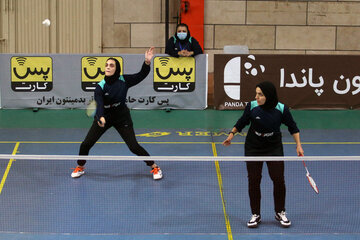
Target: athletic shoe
[254, 221]
[281, 217]
[79, 170]
[157, 173]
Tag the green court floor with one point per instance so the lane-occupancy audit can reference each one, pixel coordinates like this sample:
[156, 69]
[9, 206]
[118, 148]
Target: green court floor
[157, 119]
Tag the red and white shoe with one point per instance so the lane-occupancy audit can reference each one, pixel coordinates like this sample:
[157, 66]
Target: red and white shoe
[157, 173]
[78, 172]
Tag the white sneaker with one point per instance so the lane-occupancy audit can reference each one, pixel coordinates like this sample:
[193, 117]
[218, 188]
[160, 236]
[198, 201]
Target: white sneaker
[157, 173]
[78, 172]
[281, 217]
[254, 221]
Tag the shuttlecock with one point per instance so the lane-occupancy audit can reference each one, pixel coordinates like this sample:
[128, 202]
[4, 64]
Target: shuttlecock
[46, 22]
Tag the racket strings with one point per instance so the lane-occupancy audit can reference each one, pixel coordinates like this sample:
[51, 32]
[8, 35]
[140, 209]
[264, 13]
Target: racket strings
[91, 109]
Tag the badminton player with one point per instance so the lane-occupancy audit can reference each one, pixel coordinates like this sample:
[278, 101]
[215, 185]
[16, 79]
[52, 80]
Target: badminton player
[265, 115]
[111, 111]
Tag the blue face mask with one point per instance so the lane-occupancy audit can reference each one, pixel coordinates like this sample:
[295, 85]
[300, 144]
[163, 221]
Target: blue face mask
[181, 35]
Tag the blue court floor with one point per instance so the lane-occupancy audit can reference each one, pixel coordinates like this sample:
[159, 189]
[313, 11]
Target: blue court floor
[195, 200]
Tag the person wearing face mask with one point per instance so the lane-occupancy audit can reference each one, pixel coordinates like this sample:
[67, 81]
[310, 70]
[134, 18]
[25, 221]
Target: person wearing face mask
[111, 111]
[182, 44]
[265, 115]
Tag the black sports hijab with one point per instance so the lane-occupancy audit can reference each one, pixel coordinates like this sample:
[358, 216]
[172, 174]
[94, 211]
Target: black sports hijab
[269, 92]
[111, 79]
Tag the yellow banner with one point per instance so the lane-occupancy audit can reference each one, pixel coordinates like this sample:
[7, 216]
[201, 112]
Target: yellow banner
[173, 74]
[31, 74]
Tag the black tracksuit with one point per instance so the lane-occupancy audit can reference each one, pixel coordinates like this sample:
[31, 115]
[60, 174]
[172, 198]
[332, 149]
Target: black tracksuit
[264, 139]
[110, 99]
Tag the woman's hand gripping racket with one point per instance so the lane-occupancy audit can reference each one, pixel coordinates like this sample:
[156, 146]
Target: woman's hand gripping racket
[310, 179]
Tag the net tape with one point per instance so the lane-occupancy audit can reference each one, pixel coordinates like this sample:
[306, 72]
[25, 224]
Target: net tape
[179, 158]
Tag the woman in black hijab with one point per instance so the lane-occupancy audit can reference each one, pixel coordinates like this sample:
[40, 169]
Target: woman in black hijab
[111, 111]
[182, 44]
[265, 115]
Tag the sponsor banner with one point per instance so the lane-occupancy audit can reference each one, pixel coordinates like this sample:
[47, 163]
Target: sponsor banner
[31, 74]
[198, 133]
[68, 81]
[174, 74]
[302, 81]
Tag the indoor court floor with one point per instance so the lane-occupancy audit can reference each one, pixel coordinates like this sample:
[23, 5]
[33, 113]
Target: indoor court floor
[194, 200]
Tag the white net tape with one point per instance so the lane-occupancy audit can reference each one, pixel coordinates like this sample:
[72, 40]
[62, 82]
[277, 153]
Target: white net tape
[179, 158]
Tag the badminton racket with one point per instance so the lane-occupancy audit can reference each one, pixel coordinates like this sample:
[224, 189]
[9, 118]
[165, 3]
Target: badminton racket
[310, 179]
[91, 109]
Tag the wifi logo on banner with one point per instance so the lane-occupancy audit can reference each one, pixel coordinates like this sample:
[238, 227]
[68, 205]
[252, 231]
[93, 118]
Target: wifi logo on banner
[31, 74]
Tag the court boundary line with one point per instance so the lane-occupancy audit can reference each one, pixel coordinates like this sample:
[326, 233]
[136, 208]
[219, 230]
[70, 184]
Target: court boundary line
[3, 180]
[218, 173]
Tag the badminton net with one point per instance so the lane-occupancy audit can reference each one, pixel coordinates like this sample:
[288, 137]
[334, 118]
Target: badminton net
[198, 195]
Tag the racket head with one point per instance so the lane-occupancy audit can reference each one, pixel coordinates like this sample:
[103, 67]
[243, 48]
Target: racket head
[91, 109]
[312, 183]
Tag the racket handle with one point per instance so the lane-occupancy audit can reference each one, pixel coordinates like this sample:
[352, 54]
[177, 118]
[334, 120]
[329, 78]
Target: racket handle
[304, 163]
[307, 171]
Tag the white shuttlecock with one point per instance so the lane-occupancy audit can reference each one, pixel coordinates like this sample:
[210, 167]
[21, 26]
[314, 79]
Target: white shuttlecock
[46, 22]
